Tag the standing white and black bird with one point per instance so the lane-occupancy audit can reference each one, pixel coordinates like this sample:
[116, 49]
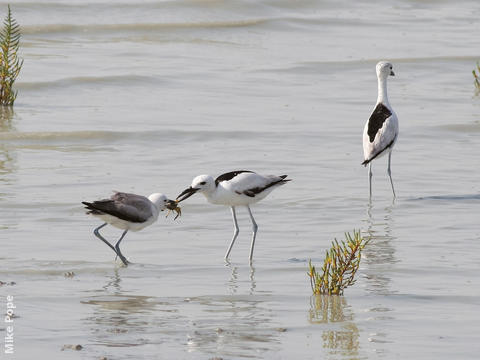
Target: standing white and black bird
[236, 188]
[381, 130]
[127, 212]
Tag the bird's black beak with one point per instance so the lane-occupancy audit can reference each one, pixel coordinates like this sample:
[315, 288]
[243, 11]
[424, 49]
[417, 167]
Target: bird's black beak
[392, 73]
[186, 194]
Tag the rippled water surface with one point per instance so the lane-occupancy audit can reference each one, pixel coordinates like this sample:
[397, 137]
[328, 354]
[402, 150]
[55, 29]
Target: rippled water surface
[143, 96]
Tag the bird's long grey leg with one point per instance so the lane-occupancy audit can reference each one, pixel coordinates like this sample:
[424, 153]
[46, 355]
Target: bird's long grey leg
[98, 235]
[235, 232]
[254, 228]
[370, 178]
[117, 247]
[389, 171]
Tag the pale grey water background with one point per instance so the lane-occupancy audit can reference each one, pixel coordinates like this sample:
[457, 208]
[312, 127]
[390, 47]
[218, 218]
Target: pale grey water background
[143, 96]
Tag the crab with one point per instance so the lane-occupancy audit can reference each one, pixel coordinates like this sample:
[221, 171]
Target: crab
[172, 205]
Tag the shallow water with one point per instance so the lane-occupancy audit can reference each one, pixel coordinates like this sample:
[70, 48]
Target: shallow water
[143, 96]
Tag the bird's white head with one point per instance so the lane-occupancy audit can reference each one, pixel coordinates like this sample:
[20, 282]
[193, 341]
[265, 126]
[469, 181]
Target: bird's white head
[159, 200]
[202, 183]
[384, 69]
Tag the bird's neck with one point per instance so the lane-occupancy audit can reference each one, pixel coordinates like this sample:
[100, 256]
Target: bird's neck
[155, 210]
[211, 195]
[382, 91]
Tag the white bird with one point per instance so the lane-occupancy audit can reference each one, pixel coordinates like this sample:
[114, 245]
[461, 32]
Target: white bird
[127, 212]
[236, 188]
[381, 130]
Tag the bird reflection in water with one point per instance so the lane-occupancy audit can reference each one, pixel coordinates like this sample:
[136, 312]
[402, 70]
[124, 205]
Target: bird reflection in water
[113, 285]
[239, 324]
[379, 255]
[233, 283]
[117, 319]
[340, 334]
[379, 262]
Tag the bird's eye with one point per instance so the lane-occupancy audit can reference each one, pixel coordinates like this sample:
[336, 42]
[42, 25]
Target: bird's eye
[391, 67]
[203, 183]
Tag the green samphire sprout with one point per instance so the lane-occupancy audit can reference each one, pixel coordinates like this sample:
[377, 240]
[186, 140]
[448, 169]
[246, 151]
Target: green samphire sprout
[10, 62]
[476, 77]
[341, 263]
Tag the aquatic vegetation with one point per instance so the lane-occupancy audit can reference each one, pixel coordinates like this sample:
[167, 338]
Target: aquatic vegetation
[341, 263]
[10, 64]
[476, 77]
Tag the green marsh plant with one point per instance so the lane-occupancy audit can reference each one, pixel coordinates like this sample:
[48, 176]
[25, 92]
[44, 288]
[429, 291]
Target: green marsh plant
[11, 64]
[476, 77]
[341, 263]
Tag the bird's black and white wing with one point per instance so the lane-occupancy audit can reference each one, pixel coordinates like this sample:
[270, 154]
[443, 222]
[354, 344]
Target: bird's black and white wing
[230, 175]
[129, 207]
[249, 183]
[380, 132]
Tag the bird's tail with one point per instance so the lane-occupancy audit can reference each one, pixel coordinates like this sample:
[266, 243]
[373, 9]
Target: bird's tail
[91, 208]
[284, 180]
[388, 147]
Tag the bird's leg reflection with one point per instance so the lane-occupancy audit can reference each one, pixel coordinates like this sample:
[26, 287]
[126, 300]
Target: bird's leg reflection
[253, 284]
[234, 282]
[380, 253]
[114, 283]
[379, 257]
[115, 317]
